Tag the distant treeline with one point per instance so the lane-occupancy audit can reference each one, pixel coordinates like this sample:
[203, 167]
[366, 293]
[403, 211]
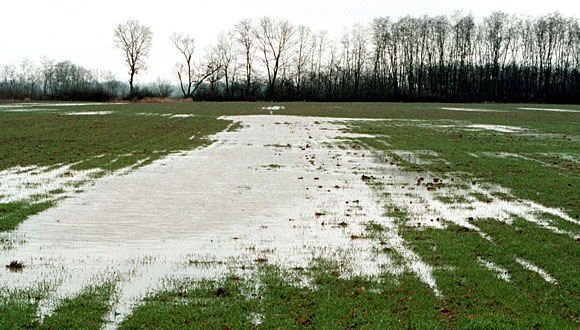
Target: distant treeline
[501, 58]
[56, 81]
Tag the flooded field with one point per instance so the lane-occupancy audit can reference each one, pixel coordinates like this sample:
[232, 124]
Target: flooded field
[276, 191]
[280, 190]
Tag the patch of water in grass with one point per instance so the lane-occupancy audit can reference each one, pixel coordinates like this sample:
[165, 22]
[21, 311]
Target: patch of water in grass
[471, 109]
[550, 109]
[497, 128]
[547, 277]
[89, 113]
[23, 183]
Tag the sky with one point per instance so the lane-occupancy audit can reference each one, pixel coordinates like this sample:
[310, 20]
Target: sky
[82, 31]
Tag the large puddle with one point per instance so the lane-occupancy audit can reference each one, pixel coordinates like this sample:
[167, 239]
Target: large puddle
[273, 192]
[278, 191]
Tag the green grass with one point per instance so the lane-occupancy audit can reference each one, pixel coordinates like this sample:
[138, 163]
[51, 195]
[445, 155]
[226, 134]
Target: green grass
[12, 214]
[272, 166]
[554, 184]
[204, 304]
[83, 311]
[127, 136]
[275, 299]
[475, 295]
[18, 310]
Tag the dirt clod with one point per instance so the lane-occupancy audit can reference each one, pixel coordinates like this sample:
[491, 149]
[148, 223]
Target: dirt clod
[223, 292]
[367, 177]
[15, 266]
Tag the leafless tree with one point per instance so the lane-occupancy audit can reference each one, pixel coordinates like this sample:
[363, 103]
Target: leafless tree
[185, 45]
[134, 39]
[360, 54]
[274, 37]
[209, 70]
[162, 88]
[304, 51]
[226, 60]
[244, 36]
[190, 75]
[442, 58]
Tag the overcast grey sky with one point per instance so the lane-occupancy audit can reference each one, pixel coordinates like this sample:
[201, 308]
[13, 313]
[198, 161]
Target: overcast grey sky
[82, 31]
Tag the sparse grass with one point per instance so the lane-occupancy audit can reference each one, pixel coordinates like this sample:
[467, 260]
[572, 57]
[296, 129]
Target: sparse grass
[285, 146]
[48, 138]
[450, 199]
[503, 196]
[474, 296]
[272, 166]
[109, 142]
[220, 304]
[481, 197]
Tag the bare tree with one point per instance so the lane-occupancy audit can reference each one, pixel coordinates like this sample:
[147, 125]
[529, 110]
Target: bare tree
[162, 88]
[210, 70]
[360, 53]
[190, 75]
[462, 51]
[244, 35]
[134, 39]
[47, 74]
[225, 57]
[275, 37]
[303, 55]
[319, 50]
[495, 45]
[443, 58]
[185, 44]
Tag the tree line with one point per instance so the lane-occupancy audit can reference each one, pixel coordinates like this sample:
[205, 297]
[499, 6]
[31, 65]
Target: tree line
[454, 58]
[50, 80]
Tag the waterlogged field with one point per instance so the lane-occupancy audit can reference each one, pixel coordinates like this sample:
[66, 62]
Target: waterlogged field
[299, 215]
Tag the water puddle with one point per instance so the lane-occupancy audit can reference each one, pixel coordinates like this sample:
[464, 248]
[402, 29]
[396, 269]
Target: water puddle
[471, 109]
[274, 108]
[431, 201]
[529, 266]
[274, 192]
[89, 113]
[33, 183]
[34, 107]
[497, 128]
[502, 273]
[415, 157]
[549, 109]
[183, 115]
[167, 115]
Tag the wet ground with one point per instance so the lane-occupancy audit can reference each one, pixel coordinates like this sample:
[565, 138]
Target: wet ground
[281, 190]
[273, 192]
